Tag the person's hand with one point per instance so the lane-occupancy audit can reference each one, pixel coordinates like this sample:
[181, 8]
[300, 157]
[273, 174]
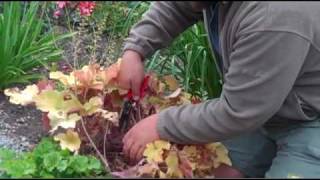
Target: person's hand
[136, 139]
[131, 73]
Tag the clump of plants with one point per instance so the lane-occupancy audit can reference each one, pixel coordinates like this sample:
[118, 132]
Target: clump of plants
[81, 111]
[47, 160]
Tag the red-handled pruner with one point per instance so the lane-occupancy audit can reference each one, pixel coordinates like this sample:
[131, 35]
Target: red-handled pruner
[128, 104]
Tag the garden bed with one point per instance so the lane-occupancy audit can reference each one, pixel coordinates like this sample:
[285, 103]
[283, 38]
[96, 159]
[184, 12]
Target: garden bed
[20, 127]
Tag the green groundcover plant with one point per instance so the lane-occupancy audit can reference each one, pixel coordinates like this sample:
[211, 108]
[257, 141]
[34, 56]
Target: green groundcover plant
[47, 160]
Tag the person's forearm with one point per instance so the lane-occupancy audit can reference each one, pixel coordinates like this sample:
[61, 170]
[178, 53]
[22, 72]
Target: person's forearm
[164, 21]
[262, 72]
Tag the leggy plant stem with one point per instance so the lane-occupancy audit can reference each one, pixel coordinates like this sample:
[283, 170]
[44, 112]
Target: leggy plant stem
[105, 141]
[107, 167]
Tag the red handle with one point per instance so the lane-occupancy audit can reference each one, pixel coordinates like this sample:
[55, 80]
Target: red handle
[143, 88]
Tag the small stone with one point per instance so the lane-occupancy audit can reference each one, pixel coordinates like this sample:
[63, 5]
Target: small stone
[21, 120]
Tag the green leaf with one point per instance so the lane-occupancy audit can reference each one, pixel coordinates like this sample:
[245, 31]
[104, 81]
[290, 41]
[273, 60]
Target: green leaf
[6, 154]
[94, 164]
[51, 160]
[20, 168]
[79, 163]
[62, 165]
[24, 43]
[44, 174]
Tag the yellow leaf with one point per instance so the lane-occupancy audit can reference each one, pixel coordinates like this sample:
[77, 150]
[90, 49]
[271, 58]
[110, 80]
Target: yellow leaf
[221, 154]
[94, 104]
[192, 154]
[191, 151]
[23, 97]
[49, 100]
[185, 98]
[154, 150]
[63, 120]
[172, 163]
[171, 82]
[162, 174]
[53, 101]
[67, 80]
[69, 140]
[72, 104]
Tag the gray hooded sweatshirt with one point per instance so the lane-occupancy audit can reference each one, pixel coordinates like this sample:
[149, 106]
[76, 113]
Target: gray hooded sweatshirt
[270, 66]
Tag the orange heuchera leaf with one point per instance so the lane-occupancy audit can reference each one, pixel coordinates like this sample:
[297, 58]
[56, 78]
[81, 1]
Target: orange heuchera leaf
[88, 77]
[110, 74]
[45, 85]
[69, 140]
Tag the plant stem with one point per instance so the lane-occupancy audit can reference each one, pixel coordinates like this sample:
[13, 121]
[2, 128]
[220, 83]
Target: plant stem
[107, 167]
[105, 140]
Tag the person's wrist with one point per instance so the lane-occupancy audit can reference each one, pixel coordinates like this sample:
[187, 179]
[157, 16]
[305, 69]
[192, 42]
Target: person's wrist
[133, 55]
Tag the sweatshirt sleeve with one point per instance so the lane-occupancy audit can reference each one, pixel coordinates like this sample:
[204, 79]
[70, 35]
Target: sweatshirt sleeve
[164, 21]
[263, 69]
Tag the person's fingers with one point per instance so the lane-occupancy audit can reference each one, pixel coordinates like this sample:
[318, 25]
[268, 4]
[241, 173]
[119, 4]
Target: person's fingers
[139, 154]
[123, 78]
[124, 82]
[135, 86]
[127, 135]
[127, 146]
[133, 151]
[131, 71]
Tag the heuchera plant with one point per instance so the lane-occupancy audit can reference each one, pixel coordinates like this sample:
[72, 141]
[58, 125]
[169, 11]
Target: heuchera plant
[81, 111]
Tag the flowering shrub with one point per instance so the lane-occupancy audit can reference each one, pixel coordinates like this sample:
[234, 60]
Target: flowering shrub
[85, 7]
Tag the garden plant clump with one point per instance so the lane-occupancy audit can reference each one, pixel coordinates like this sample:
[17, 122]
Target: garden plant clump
[81, 111]
[47, 160]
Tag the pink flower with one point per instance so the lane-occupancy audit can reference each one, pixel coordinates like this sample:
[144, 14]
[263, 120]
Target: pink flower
[61, 4]
[86, 8]
[57, 13]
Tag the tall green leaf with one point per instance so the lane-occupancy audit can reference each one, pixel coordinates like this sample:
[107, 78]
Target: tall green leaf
[24, 44]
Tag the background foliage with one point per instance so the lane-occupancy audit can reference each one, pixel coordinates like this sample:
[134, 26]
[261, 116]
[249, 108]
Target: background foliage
[24, 44]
